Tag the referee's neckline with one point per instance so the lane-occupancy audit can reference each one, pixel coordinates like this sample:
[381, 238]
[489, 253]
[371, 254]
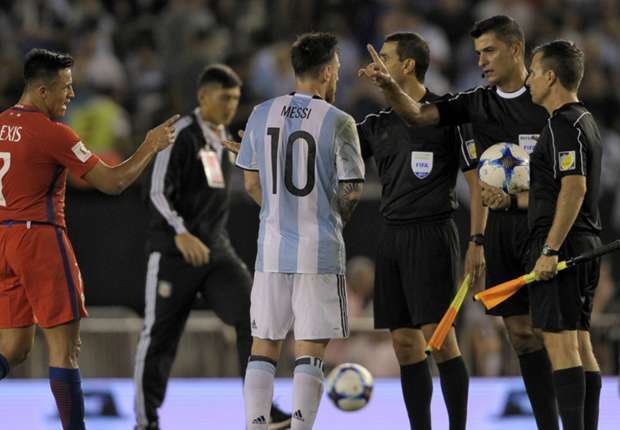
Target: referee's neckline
[512, 95]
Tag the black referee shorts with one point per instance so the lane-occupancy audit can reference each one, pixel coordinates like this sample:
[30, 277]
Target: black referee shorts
[565, 302]
[505, 251]
[416, 272]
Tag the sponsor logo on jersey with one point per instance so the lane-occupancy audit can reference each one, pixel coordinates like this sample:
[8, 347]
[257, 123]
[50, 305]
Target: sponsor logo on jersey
[567, 160]
[471, 149]
[81, 152]
[421, 163]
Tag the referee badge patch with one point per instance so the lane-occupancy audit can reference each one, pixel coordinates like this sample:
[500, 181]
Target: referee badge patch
[421, 163]
[567, 160]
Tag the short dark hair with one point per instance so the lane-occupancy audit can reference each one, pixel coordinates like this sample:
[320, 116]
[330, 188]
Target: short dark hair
[505, 28]
[566, 61]
[44, 64]
[219, 74]
[311, 51]
[412, 45]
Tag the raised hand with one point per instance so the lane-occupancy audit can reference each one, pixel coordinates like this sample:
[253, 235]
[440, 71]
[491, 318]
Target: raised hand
[162, 136]
[376, 71]
[231, 145]
[494, 197]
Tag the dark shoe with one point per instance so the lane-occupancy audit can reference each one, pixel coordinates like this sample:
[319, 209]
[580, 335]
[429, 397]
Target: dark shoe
[278, 419]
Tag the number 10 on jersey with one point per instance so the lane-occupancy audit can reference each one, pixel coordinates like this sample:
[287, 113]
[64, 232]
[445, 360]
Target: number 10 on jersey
[293, 138]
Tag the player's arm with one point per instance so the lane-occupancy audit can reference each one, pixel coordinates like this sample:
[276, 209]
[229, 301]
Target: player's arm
[349, 195]
[474, 258]
[251, 180]
[571, 168]
[114, 180]
[413, 112]
[349, 166]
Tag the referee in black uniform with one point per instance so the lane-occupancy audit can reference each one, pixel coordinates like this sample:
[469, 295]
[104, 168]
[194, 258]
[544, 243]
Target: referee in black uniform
[564, 221]
[418, 252]
[189, 248]
[500, 112]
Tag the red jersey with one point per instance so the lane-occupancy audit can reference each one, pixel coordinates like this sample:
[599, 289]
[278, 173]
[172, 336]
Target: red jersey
[35, 154]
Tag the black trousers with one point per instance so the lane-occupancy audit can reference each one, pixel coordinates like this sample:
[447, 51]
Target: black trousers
[171, 288]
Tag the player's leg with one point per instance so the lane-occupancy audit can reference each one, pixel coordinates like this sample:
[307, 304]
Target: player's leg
[320, 308]
[593, 380]
[171, 286]
[568, 377]
[505, 250]
[307, 382]
[15, 345]
[63, 343]
[272, 317]
[392, 311]
[227, 291]
[430, 289]
[48, 269]
[453, 376]
[561, 307]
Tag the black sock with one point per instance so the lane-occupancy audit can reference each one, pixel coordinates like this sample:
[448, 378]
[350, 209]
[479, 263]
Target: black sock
[570, 390]
[455, 386]
[536, 372]
[417, 385]
[593, 394]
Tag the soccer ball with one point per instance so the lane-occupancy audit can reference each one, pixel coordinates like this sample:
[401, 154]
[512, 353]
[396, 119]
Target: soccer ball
[505, 166]
[349, 386]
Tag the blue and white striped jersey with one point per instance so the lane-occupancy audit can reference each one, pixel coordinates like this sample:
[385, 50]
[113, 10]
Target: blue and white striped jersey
[302, 147]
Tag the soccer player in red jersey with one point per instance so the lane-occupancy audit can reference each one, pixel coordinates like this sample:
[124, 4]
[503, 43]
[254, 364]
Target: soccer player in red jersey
[40, 282]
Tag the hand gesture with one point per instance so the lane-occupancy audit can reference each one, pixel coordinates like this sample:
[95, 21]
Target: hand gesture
[162, 136]
[494, 197]
[546, 267]
[194, 251]
[376, 71]
[233, 146]
[475, 265]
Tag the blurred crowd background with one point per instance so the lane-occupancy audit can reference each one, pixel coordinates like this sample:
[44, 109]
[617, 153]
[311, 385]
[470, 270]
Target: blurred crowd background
[137, 61]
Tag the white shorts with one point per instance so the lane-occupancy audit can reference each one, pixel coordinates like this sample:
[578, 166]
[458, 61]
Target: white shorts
[313, 304]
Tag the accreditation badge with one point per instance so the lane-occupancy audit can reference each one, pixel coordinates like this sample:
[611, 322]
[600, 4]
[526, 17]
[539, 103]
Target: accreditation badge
[212, 168]
[421, 163]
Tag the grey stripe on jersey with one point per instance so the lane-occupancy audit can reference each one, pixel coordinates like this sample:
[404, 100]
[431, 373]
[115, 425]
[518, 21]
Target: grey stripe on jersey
[158, 179]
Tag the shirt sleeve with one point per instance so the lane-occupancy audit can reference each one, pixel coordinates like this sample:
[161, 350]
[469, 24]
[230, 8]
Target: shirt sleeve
[462, 108]
[247, 152]
[349, 161]
[167, 180]
[468, 152]
[365, 131]
[67, 149]
[569, 148]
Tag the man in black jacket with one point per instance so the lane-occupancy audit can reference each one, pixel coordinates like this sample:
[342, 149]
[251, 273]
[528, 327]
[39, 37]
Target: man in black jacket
[189, 248]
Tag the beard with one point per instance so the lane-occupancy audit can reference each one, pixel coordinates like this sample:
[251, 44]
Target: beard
[330, 94]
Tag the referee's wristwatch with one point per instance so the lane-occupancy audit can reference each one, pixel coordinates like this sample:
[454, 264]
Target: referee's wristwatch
[548, 251]
[477, 239]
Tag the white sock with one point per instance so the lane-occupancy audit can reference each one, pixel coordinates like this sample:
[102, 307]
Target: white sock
[258, 393]
[307, 391]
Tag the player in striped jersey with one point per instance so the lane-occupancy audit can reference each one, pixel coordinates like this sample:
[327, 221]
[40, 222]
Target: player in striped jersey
[303, 166]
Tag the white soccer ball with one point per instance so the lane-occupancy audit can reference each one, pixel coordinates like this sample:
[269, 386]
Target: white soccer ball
[505, 166]
[349, 386]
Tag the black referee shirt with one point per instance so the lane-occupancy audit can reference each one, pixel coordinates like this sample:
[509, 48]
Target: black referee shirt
[417, 166]
[496, 116]
[180, 196]
[570, 144]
